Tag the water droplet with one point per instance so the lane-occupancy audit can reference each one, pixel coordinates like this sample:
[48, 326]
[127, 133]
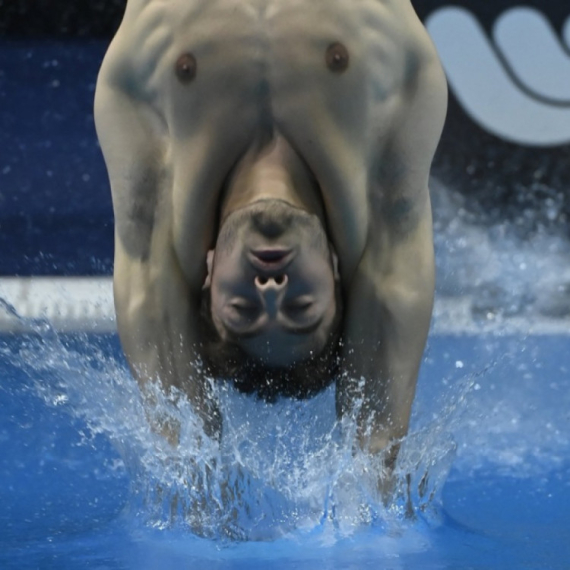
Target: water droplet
[60, 399]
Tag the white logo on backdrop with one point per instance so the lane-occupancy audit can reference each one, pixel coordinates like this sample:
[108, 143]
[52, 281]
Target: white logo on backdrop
[516, 86]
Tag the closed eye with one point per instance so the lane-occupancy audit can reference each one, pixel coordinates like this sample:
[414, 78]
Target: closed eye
[298, 307]
[299, 304]
[245, 309]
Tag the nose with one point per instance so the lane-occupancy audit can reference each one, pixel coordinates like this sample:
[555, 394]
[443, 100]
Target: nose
[271, 290]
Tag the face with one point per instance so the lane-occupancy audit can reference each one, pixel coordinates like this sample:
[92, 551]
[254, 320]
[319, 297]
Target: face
[272, 279]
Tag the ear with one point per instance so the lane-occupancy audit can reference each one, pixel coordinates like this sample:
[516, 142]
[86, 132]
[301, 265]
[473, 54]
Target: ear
[209, 269]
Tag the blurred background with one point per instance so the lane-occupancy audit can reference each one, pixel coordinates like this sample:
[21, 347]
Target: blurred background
[500, 180]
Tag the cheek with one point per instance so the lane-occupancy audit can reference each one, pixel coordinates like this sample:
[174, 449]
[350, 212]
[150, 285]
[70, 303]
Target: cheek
[328, 295]
[229, 279]
[214, 315]
[216, 304]
[328, 298]
[321, 275]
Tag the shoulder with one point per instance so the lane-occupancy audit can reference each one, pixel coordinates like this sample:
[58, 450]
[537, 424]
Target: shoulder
[136, 51]
[417, 109]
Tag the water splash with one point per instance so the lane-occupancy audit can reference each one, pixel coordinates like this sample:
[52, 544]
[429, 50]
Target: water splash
[283, 469]
[504, 273]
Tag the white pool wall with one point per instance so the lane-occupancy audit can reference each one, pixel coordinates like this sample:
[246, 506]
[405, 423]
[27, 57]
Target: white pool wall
[85, 304]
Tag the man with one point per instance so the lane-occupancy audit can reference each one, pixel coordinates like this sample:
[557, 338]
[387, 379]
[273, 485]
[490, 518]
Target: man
[269, 164]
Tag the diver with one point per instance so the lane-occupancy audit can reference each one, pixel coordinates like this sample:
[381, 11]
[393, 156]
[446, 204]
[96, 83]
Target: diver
[269, 165]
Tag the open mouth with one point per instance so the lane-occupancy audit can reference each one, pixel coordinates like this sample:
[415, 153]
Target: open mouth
[271, 255]
[271, 259]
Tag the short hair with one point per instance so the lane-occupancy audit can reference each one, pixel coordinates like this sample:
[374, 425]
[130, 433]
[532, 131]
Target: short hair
[224, 359]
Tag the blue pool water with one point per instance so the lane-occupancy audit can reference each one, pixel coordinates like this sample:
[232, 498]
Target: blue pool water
[495, 411]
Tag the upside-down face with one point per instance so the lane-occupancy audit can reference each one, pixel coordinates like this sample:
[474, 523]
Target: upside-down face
[273, 283]
[273, 275]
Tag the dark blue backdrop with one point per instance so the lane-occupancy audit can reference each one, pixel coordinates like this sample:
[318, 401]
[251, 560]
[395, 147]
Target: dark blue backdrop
[55, 205]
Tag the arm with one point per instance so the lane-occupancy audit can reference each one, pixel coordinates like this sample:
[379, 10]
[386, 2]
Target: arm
[156, 315]
[388, 315]
[156, 305]
[390, 297]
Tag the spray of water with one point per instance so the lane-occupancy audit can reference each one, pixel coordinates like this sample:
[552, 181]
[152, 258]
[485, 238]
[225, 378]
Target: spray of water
[281, 469]
[506, 274]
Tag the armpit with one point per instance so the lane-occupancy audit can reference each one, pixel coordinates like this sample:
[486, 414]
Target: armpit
[399, 215]
[400, 211]
[395, 198]
[135, 216]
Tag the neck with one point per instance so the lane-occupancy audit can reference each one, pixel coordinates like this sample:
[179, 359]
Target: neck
[272, 171]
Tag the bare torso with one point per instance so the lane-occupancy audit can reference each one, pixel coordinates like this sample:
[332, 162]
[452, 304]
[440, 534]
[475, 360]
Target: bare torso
[367, 129]
[262, 64]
